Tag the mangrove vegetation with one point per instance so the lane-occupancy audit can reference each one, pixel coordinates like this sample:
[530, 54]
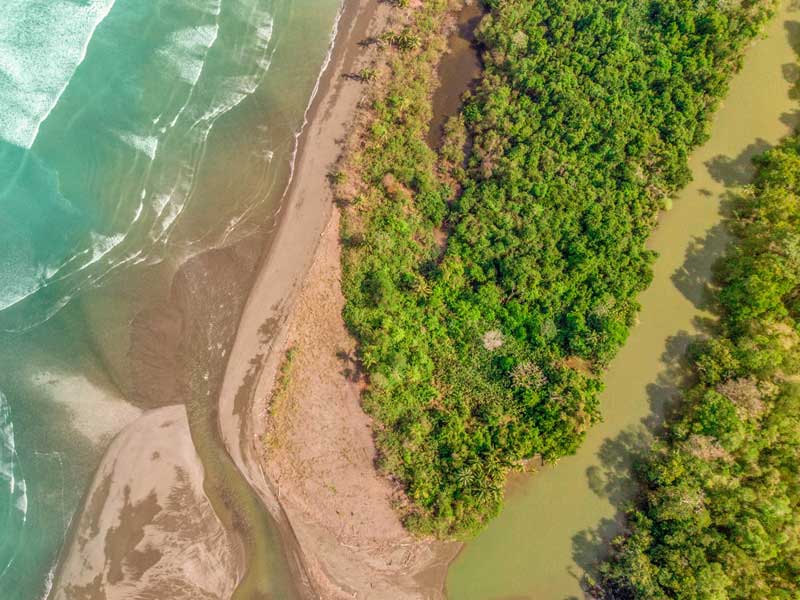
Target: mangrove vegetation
[718, 516]
[489, 281]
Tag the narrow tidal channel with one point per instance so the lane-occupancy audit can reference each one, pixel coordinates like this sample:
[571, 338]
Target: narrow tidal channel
[555, 524]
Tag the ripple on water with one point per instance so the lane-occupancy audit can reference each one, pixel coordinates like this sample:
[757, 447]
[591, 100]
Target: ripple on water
[131, 170]
[13, 492]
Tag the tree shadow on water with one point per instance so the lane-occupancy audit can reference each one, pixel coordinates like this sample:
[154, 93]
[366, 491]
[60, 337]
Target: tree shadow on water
[736, 171]
[793, 28]
[614, 476]
[619, 458]
[791, 119]
[665, 393]
[791, 73]
[694, 277]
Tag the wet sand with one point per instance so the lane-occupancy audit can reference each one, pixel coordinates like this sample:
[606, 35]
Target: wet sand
[152, 535]
[178, 353]
[179, 347]
[311, 454]
[215, 344]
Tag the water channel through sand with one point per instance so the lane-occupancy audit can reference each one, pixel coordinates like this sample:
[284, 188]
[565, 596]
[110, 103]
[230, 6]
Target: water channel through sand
[554, 524]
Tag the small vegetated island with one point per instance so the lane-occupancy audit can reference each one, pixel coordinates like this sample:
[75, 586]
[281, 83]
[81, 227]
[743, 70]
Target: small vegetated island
[719, 511]
[490, 281]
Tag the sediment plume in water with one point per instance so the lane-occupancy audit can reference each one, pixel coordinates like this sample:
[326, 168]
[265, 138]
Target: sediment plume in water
[134, 137]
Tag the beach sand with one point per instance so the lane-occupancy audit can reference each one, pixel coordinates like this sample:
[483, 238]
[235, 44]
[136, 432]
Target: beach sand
[320, 456]
[148, 529]
[312, 457]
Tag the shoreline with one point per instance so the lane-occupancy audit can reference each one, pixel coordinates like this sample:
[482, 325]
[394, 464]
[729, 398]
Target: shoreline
[261, 340]
[287, 408]
[255, 319]
[297, 296]
[246, 271]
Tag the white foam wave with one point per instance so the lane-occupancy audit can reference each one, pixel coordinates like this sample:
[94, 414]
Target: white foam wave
[167, 212]
[21, 504]
[21, 279]
[264, 35]
[264, 32]
[187, 50]
[48, 582]
[41, 46]
[10, 469]
[102, 245]
[146, 144]
[212, 7]
[234, 89]
[160, 202]
[25, 285]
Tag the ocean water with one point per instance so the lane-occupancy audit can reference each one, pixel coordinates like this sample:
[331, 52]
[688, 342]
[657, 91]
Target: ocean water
[133, 135]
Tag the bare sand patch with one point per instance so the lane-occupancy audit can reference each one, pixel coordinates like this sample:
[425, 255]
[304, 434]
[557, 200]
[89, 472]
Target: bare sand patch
[147, 529]
[320, 455]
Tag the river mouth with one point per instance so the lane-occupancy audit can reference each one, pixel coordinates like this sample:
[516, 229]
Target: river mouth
[556, 524]
[149, 152]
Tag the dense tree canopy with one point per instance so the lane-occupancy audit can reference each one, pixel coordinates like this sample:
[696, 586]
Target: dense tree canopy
[488, 295]
[719, 512]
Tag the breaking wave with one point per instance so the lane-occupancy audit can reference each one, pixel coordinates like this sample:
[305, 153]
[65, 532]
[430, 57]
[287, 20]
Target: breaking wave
[137, 115]
[41, 45]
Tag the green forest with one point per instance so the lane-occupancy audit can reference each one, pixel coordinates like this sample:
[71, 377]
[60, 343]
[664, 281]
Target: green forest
[718, 516]
[489, 283]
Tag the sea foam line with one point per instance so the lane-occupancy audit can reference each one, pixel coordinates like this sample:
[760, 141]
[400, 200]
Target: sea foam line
[99, 17]
[298, 134]
[245, 86]
[18, 489]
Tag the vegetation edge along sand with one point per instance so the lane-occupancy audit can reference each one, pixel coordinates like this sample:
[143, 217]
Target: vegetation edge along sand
[328, 560]
[440, 507]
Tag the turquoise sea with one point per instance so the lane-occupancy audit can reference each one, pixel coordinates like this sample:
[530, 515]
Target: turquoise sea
[134, 134]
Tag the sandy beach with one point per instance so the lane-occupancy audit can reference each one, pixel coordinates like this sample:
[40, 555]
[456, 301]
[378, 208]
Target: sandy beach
[217, 345]
[311, 455]
[239, 462]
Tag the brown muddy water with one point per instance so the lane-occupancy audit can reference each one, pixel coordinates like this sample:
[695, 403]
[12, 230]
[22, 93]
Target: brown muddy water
[458, 70]
[556, 524]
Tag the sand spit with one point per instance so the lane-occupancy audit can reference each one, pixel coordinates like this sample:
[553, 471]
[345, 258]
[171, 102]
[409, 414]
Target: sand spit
[320, 455]
[314, 466]
[153, 536]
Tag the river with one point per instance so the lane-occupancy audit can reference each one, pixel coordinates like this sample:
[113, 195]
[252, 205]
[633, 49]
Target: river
[556, 524]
